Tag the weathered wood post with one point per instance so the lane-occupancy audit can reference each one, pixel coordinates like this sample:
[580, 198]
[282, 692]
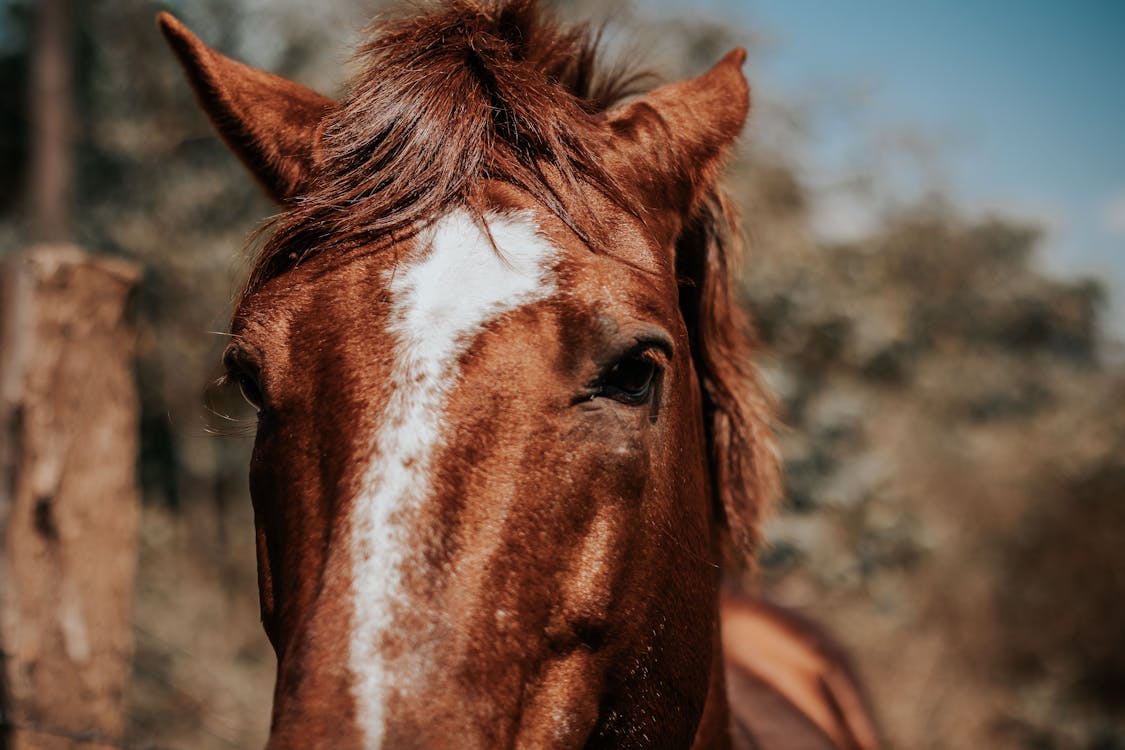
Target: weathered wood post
[68, 448]
[68, 434]
[68, 498]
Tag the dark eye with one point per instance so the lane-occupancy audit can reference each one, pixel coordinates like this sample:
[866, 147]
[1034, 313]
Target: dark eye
[250, 389]
[630, 380]
[242, 369]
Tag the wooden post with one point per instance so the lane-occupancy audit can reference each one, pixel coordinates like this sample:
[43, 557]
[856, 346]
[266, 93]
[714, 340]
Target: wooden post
[68, 498]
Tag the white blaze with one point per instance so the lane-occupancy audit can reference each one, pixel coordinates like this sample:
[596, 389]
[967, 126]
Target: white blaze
[441, 299]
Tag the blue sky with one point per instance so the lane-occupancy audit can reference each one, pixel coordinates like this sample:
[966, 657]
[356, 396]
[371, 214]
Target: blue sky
[1022, 105]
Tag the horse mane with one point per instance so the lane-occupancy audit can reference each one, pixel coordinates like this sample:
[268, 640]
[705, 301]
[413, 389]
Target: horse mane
[473, 90]
[463, 92]
[737, 410]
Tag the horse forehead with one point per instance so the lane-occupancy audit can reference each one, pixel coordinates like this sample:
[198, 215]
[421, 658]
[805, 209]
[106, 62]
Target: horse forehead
[455, 274]
[466, 269]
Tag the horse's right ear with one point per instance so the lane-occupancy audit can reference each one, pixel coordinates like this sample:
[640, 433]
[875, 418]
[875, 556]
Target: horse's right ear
[669, 144]
[272, 125]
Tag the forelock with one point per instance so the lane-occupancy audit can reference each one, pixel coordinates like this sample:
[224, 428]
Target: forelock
[451, 97]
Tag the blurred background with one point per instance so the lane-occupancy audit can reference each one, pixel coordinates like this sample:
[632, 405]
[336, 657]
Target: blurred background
[935, 204]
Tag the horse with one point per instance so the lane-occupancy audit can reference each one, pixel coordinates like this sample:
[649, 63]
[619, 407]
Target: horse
[508, 430]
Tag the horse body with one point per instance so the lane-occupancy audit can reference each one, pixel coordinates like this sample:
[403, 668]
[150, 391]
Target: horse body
[505, 418]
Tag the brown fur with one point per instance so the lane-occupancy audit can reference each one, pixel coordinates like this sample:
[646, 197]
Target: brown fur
[491, 107]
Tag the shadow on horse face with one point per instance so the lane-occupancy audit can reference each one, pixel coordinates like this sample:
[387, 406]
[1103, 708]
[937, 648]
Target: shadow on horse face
[489, 414]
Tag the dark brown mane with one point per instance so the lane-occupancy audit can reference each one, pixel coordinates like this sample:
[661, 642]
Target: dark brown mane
[464, 92]
[737, 410]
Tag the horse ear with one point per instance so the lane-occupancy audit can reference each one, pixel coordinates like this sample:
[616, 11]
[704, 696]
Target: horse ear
[669, 145]
[271, 124]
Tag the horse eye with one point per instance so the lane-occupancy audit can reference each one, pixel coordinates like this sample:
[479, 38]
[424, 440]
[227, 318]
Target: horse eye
[630, 380]
[250, 390]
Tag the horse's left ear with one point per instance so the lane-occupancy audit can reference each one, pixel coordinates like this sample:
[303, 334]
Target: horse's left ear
[273, 125]
[669, 145]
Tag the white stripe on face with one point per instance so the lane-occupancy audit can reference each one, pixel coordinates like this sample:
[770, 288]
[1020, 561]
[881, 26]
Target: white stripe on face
[440, 301]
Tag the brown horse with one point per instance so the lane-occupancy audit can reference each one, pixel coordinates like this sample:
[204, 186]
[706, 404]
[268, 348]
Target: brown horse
[506, 420]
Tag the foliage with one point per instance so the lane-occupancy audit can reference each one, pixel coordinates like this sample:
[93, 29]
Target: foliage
[953, 450]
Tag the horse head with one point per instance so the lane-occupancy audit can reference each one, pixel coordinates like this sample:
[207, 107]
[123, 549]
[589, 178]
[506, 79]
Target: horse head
[506, 420]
